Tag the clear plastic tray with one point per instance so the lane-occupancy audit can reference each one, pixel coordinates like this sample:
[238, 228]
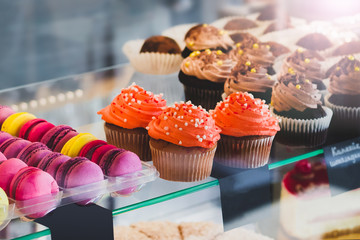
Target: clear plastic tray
[123, 185]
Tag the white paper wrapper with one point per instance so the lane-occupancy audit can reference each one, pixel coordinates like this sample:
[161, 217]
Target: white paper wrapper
[151, 63]
[178, 33]
[343, 113]
[304, 125]
[243, 152]
[257, 31]
[186, 166]
[307, 132]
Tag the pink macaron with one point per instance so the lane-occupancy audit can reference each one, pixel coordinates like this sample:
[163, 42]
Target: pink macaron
[4, 136]
[33, 153]
[34, 191]
[99, 152]
[2, 157]
[51, 162]
[35, 129]
[79, 171]
[118, 162]
[13, 146]
[8, 169]
[5, 112]
[56, 137]
[89, 148]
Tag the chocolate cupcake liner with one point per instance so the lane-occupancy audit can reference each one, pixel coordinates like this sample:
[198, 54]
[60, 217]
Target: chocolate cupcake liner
[151, 63]
[306, 132]
[183, 166]
[244, 152]
[205, 97]
[135, 140]
[178, 33]
[345, 120]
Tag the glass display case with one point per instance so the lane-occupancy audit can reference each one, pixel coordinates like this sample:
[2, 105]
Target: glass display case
[302, 193]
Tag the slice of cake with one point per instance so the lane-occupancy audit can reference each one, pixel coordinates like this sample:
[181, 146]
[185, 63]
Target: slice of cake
[307, 209]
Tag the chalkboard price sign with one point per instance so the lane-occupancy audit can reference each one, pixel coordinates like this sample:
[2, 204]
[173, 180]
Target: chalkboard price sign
[343, 165]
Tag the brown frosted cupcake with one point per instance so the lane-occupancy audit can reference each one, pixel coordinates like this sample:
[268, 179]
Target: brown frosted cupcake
[203, 75]
[277, 49]
[127, 117]
[204, 36]
[251, 78]
[183, 142]
[247, 131]
[296, 102]
[257, 53]
[344, 97]
[307, 63]
[244, 38]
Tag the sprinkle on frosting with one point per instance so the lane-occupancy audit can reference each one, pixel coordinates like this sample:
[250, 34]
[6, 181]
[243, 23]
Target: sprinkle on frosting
[242, 115]
[213, 67]
[294, 92]
[248, 77]
[133, 107]
[196, 123]
[206, 36]
[346, 78]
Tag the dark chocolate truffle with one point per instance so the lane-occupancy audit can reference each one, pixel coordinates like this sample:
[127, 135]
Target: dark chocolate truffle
[314, 41]
[160, 44]
[240, 24]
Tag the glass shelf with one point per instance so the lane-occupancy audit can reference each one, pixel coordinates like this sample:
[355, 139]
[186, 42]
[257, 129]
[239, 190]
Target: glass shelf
[75, 100]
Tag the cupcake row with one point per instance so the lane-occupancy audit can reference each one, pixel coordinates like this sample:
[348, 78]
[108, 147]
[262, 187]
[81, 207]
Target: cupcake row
[183, 139]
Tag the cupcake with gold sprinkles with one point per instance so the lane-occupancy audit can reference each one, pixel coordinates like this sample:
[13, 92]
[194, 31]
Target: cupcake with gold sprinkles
[203, 75]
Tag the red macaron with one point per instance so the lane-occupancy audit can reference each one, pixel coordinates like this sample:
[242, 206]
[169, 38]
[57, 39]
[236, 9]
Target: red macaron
[35, 129]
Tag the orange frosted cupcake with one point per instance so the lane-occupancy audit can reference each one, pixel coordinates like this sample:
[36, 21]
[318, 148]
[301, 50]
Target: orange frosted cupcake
[247, 131]
[127, 117]
[183, 142]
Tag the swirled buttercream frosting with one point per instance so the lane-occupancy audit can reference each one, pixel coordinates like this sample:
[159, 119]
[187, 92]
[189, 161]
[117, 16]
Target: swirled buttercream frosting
[248, 77]
[293, 91]
[345, 78]
[205, 36]
[134, 107]
[209, 65]
[186, 125]
[240, 114]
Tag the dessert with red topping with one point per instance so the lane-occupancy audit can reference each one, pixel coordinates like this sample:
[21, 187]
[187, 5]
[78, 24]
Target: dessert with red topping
[183, 142]
[203, 75]
[296, 101]
[249, 77]
[247, 131]
[204, 36]
[307, 209]
[127, 117]
[344, 96]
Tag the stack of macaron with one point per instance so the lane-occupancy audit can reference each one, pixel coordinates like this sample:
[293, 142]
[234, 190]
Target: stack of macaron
[58, 150]
[33, 190]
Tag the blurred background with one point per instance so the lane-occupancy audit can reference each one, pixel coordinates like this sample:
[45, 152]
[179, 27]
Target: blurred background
[47, 39]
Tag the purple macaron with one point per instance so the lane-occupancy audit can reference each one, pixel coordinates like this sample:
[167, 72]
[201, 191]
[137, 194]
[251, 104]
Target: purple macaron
[33, 153]
[117, 162]
[51, 162]
[13, 146]
[4, 136]
[5, 112]
[78, 171]
[56, 137]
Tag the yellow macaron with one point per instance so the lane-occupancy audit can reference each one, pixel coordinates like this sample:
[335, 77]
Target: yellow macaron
[73, 147]
[4, 203]
[15, 121]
